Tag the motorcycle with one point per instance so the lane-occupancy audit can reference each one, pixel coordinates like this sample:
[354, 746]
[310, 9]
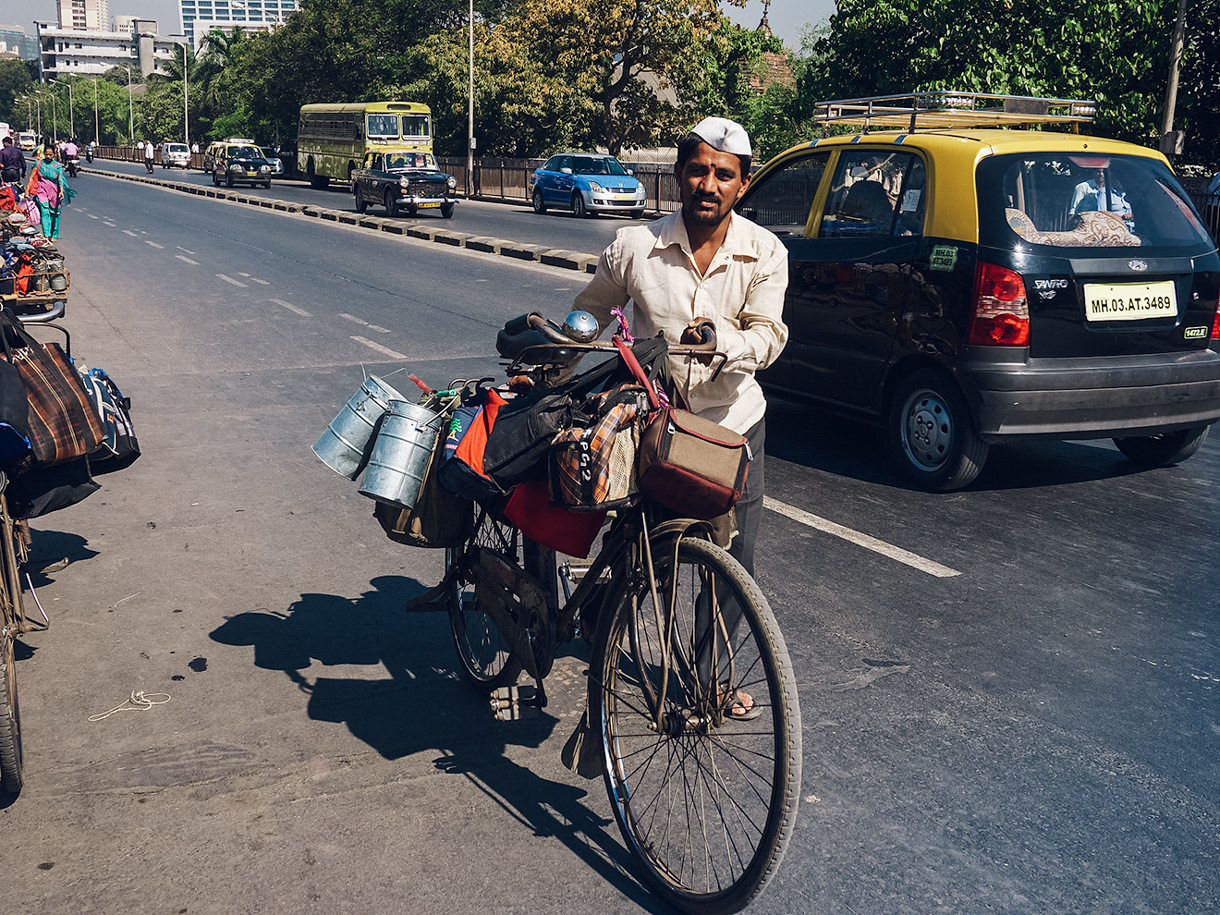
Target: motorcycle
[88, 153]
[73, 165]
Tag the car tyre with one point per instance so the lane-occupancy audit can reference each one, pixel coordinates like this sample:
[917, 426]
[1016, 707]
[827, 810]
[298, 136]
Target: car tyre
[447, 210]
[391, 204]
[932, 434]
[361, 203]
[215, 179]
[637, 214]
[539, 203]
[228, 180]
[1164, 449]
[578, 206]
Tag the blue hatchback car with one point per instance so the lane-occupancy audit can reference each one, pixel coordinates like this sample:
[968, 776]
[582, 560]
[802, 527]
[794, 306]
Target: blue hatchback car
[586, 184]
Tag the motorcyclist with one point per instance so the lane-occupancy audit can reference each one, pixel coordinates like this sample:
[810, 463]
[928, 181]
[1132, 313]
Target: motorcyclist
[71, 157]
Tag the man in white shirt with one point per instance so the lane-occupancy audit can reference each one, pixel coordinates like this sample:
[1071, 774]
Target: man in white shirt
[1096, 194]
[704, 263]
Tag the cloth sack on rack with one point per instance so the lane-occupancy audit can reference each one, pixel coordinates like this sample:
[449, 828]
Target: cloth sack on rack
[62, 420]
[593, 468]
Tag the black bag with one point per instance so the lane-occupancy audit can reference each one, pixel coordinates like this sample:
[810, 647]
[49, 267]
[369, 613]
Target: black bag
[42, 490]
[518, 443]
[14, 410]
[120, 448]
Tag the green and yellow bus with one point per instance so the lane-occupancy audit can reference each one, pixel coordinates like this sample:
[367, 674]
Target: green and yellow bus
[333, 139]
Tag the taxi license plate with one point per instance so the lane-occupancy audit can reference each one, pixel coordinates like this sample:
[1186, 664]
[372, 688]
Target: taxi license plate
[432, 204]
[1130, 301]
[624, 196]
[251, 174]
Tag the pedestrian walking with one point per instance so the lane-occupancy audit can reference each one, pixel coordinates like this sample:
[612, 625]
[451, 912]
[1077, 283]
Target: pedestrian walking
[49, 187]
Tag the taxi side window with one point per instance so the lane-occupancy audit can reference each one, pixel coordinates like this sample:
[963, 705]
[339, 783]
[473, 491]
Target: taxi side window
[875, 194]
[783, 201]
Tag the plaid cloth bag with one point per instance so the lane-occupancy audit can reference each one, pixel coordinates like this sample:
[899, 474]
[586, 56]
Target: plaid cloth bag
[593, 469]
[63, 423]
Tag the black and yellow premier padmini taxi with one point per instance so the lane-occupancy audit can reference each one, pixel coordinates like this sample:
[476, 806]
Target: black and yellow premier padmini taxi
[967, 283]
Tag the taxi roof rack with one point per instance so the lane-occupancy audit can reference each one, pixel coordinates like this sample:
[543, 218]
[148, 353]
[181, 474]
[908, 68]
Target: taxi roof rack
[953, 109]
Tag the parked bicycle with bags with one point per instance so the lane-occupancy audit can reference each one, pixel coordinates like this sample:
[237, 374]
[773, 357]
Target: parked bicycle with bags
[692, 717]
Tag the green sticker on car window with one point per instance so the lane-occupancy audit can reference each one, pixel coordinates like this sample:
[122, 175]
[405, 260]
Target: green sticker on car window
[944, 257]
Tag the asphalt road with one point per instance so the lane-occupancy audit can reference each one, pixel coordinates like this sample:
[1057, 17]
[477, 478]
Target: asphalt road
[499, 219]
[1019, 714]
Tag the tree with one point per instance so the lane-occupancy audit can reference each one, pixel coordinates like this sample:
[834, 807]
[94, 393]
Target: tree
[1114, 52]
[1199, 93]
[15, 80]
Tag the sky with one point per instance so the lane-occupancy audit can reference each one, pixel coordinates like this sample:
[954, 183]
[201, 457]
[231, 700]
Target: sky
[787, 17]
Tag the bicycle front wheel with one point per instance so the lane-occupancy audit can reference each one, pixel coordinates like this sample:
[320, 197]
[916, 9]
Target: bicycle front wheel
[700, 729]
[487, 660]
[10, 627]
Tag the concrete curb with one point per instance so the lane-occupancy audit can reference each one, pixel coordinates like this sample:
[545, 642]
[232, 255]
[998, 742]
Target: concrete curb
[552, 257]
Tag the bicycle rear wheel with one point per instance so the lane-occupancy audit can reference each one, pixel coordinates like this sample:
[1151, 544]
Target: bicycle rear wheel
[706, 799]
[487, 660]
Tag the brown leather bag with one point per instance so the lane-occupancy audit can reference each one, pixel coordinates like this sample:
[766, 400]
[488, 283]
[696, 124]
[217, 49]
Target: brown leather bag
[690, 465]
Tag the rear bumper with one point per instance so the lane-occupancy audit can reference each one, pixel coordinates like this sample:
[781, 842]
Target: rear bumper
[1093, 397]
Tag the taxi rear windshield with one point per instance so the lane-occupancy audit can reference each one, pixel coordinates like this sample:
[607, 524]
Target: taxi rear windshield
[1084, 201]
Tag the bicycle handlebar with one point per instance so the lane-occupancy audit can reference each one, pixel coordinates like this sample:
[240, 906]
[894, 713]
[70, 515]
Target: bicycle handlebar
[706, 330]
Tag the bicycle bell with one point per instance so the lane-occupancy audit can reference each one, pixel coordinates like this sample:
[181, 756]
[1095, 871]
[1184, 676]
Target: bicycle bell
[580, 326]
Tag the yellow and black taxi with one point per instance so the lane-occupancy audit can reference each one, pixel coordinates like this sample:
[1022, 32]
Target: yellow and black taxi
[965, 283]
[235, 161]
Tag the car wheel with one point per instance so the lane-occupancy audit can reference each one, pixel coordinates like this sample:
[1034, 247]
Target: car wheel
[637, 214]
[1163, 449]
[361, 205]
[267, 185]
[447, 210]
[228, 181]
[215, 179]
[578, 205]
[932, 435]
[539, 203]
[391, 204]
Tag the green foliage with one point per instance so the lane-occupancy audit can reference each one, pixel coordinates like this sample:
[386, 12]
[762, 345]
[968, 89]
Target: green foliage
[15, 80]
[1199, 90]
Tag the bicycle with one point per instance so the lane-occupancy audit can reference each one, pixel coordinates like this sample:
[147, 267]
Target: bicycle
[14, 541]
[704, 787]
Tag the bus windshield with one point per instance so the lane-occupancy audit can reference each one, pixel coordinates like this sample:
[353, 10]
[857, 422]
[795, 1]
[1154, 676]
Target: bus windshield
[415, 125]
[383, 125]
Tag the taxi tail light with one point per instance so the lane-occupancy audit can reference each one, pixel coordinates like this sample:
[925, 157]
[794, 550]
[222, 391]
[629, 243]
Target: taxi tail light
[1001, 310]
[1216, 322]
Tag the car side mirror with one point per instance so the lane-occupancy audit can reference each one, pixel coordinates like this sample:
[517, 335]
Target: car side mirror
[631, 171]
[565, 171]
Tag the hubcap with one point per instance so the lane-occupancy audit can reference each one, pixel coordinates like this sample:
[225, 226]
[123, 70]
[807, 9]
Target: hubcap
[928, 430]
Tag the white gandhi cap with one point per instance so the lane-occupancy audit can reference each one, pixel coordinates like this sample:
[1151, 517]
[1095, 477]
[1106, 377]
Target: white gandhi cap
[724, 135]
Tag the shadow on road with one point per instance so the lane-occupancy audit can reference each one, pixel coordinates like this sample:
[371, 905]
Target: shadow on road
[817, 438]
[423, 706]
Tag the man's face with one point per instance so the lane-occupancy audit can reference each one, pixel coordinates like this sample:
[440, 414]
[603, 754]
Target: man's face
[1100, 176]
[709, 184]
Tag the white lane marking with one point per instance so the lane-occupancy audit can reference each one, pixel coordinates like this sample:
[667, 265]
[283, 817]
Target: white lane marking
[229, 279]
[153, 244]
[260, 282]
[381, 349]
[363, 323]
[131, 233]
[91, 216]
[913, 560]
[187, 250]
[301, 311]
[182, 257]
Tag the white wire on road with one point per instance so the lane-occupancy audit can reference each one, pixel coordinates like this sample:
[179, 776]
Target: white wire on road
[906, 557]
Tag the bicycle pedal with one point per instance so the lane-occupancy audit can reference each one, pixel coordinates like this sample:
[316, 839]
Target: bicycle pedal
[512, 703]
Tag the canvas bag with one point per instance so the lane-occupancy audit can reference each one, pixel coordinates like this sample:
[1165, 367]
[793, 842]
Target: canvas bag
[593, 468]
[692, 466]
[63, 423]
[525, 427]
[462, 472]
[439, 518]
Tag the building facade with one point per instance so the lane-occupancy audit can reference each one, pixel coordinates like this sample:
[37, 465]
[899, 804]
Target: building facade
[84, 15]
[200, 16]
[76, 52]
[14, 40]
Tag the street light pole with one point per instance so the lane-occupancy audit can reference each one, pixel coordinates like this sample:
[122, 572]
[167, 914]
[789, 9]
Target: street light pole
[38, 102]
[470, 112]
[97, 138]
[71, 114]
[131, 117]
[54, 119]
[186, 104]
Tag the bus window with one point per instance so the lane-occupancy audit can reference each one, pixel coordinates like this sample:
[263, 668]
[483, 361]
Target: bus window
[415, 125]
[383, 125]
